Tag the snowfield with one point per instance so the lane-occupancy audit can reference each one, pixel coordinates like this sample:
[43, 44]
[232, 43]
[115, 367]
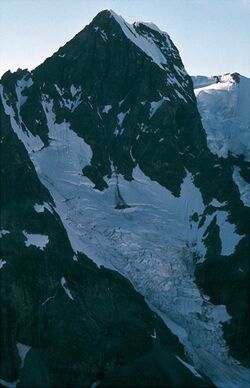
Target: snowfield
[225, 111]
[224, 107]
[151, 242]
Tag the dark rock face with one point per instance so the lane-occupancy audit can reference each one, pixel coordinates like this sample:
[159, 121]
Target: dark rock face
[86, 324]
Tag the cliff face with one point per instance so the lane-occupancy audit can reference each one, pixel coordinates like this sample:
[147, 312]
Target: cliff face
[106, 158]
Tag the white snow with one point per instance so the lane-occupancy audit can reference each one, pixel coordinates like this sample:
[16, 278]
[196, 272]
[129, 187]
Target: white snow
[48, 299]
[151, 243]
[243, 186]
[150, 25]
[200, 81]
[21, 85]
[190, 367]
[74, 90]
[229, 238]
[3, 232]
[180, 70]
[2, 263]
[66, 288]
[154, 106]
[75, 100]
[31, 142]
[147, 43]
[38, 240]
[220, 314]
[9, 384]
[102, 33]
[22, 351]
[225, 112]
[154, 336]
[40, 208]
[106, 108]
[216, 203]
[121, 116]
[180, 95]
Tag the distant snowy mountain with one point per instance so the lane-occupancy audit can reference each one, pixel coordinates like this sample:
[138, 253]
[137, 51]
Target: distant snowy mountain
[224, 105]
[109, 179]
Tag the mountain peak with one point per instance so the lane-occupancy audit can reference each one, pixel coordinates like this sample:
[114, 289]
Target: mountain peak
[155, 43]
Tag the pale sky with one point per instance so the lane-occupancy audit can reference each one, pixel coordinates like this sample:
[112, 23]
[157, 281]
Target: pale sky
[213, 36]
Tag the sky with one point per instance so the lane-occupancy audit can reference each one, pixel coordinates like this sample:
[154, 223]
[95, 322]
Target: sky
[213, 36]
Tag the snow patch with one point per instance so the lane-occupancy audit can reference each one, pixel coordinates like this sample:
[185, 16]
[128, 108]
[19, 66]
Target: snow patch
[21, 85]
[40, 208]
[190, 367]
[31, 142]
[106, 108]
[154, 106]
[66, 288]
[243, 186]
[229, 238]
[9, 384]
[216, 203]
[154, 336]
[75, 100]
[38, 240]
[102, 33]
[2, 263]
[22, 351]
[121, 116]
[180, 96]
[3, 232]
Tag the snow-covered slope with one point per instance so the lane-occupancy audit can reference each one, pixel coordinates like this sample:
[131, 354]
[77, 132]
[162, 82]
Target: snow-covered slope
[225, 111]
[147, 41]
[224, 105]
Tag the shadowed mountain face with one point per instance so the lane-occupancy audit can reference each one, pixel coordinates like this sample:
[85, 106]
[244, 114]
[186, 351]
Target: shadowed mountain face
[105, 161]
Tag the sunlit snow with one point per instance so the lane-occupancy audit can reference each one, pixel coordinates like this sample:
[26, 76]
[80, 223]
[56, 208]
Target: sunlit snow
[145, 42]
[225, 111]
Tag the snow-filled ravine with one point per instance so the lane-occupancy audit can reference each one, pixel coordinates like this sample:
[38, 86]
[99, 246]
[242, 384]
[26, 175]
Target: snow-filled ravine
[151, 242]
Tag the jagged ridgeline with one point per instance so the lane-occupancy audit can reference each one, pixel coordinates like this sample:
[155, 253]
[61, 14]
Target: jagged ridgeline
[124, 239]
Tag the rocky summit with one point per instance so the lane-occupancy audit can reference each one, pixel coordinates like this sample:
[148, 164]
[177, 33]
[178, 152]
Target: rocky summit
[124, 217]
